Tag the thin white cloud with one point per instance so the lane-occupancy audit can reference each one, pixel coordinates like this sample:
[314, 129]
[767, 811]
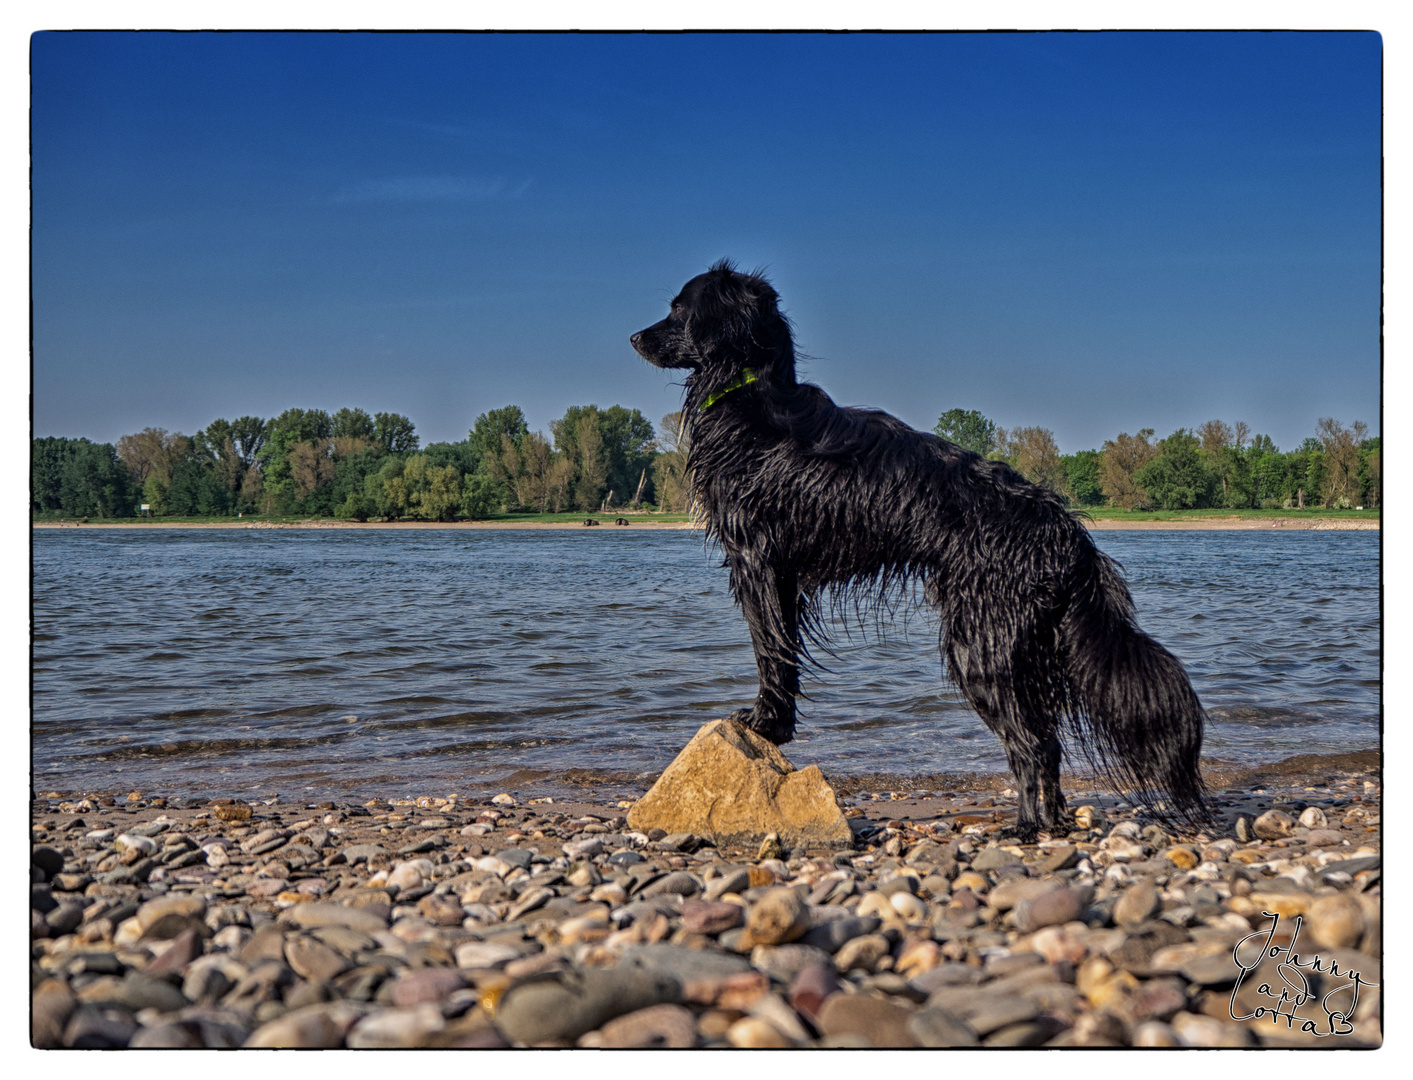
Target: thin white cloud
[430, 189]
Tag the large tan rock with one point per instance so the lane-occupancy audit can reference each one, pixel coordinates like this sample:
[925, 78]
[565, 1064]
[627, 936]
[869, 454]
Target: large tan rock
[735, 787]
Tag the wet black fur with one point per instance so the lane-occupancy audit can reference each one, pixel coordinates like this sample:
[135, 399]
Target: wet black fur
[811, 502]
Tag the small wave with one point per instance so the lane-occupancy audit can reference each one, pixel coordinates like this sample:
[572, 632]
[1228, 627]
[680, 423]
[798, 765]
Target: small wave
[205, 748]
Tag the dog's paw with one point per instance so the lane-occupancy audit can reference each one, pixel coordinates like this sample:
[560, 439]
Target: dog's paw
[1020, 834]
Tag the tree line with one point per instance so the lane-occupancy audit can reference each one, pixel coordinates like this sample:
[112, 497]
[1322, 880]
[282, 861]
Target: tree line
[356, 465]
[1216, 465]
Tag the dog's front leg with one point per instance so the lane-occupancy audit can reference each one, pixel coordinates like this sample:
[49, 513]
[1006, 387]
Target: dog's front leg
[771, 604]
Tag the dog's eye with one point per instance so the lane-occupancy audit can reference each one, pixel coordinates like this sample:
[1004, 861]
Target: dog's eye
[676, 307]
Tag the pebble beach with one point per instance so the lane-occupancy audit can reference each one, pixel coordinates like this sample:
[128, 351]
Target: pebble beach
[534, 920]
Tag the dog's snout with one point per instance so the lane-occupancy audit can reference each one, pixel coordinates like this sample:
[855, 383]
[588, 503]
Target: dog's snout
[636, 339]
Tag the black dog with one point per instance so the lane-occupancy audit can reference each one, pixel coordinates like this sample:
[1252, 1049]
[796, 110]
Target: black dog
[809, 500]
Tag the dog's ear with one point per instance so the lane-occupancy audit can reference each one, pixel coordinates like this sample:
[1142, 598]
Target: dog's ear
[738, 318]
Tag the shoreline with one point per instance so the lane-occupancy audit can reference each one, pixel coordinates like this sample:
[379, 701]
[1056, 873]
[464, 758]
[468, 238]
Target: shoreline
[1199, 525]
[481, 921]
[581, 785]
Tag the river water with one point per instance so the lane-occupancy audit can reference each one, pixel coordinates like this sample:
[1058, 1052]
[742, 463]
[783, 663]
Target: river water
[341, 662]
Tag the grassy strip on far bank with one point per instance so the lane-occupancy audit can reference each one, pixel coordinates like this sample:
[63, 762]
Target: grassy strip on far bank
[1107, 513]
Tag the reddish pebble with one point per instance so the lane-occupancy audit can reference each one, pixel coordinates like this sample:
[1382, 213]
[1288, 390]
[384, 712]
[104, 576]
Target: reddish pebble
[812, 985]
[709, 916]
[426, 985]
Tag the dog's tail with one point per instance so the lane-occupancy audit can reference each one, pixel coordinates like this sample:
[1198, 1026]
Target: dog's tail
[1144, 722]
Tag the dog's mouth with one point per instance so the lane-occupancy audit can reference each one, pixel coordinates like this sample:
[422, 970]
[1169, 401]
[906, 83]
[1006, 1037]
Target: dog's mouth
[649, 345]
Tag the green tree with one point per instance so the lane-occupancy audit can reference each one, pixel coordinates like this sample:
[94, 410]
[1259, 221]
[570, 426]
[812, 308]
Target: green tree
[463, 455]
[215, 448]
[968, 429]
[486, 432]
[578, 435]
[480, 496]
[1034, 454]
[1222, 451]
[1371, 472]
[384, 490]
[1120, 461]
[47, 459]
[353, 424]
[1232, 468]
[1308, 472]
[1082, 476]
[395, 432]
[486, 438]
[1267, 467]
[311, 466]
[281, 490]
[355, 506]
[629, 451]
[249, 433]
[153, 450]
[302, 425]
[81, 478]
[537, 461]
[1340, 445]
[590, 486]
[670, 478]
[154, 494]
[230, 447]
[196, 489]
[1177, 479]
[93, 482]
[430, 492]
[351, 472]
[504, 467]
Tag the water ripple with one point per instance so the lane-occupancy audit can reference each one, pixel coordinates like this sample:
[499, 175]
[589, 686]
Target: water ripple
[193, 660]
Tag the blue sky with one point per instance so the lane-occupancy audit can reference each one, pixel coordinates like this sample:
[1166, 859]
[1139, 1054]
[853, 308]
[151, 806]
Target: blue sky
[1086, 232]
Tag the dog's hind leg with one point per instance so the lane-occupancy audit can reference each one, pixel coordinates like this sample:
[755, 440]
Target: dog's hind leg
[771, 604]
[1031, 745]
[1027, 763]
[1053, 810]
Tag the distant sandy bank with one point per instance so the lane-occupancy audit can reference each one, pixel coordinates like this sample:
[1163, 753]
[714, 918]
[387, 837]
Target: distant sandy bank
[606, 525]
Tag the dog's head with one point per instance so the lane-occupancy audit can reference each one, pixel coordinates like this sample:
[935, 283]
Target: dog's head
[721, 323]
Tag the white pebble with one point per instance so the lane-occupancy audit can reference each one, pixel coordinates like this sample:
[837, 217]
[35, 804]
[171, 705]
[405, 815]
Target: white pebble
[908, 906]
[875, 903]
[412, 874]
[492, 865]
[127, 842]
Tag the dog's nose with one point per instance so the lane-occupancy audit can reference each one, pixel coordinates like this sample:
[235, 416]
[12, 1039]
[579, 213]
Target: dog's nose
[633, 341]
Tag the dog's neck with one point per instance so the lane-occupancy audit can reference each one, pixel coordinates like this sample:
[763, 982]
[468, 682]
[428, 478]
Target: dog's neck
[746, 377]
